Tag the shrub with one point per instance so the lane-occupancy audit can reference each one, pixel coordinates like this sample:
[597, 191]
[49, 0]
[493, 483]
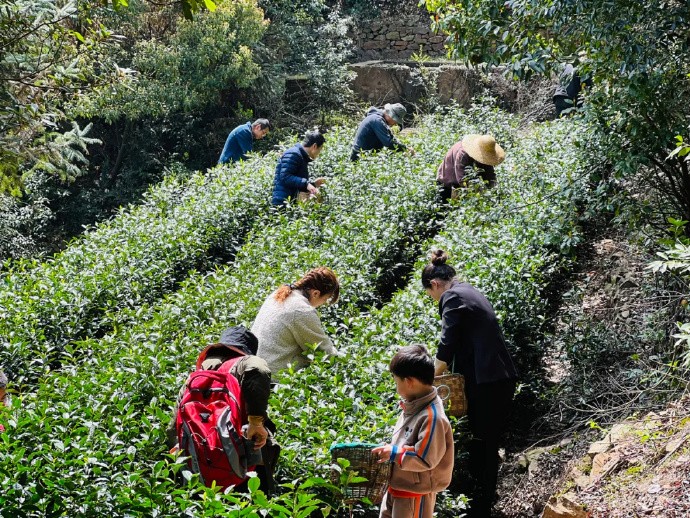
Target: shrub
[134, 258]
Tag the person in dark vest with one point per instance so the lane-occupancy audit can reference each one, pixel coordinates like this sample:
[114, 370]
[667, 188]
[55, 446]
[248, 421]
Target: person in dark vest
[472, 344]
[240, 141]
[566, 97]
[292, 170]
[254, 378]
[374, 131]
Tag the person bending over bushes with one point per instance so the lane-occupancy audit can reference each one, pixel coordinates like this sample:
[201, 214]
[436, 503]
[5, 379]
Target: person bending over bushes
[374, 131]
[240, 141]
[474, 151]
[421, 449]
[220, 420]
[472, 344]
[292, 171]
[287, 321]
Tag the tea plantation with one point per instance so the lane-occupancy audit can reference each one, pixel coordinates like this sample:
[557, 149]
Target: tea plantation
[102, 336]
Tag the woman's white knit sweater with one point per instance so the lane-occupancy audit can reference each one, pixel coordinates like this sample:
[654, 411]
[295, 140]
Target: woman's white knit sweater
[285, 328]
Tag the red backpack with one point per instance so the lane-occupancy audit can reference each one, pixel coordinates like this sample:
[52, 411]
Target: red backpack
[209, 426]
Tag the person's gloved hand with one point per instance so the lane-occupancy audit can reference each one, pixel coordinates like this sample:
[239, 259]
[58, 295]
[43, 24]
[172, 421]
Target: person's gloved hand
[256, 431]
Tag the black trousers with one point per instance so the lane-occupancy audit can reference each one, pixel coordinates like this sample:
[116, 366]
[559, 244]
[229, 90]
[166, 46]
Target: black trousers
[489, 406]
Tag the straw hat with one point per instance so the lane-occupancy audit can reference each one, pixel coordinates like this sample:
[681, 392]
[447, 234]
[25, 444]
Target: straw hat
[396, 112]
[483, 149]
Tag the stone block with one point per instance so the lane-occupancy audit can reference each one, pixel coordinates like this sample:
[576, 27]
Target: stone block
[393, 35]
[409, 37]
[437, 39]
[600, 446]
[564, 507]
[602, 462]
[371, 45]
[422, 29]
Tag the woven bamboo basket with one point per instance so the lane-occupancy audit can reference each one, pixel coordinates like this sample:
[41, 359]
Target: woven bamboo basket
[366, 465]
[451, 388]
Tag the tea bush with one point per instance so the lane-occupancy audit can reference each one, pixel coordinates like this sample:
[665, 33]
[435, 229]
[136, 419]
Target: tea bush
[90, 439]
[134, 258]
[508, 243]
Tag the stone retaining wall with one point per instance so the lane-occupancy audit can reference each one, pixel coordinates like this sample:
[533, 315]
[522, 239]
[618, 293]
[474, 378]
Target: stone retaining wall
[396, 34]
[379, 82]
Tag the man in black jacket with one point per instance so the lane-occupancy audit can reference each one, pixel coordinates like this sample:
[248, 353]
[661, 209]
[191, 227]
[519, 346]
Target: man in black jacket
[570, 84]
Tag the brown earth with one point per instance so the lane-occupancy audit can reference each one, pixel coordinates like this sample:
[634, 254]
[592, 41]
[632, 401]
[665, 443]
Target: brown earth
[637, 466]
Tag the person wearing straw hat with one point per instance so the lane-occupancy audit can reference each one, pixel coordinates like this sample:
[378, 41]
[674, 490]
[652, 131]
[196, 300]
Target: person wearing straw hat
[374, 131]
[474, 151]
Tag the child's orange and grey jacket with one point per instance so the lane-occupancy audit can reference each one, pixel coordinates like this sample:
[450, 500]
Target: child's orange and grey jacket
[422, 454]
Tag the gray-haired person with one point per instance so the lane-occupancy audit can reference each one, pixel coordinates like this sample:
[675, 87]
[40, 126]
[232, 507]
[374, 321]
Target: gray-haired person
[374, 131]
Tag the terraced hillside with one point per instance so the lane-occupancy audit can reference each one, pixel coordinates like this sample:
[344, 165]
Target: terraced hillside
[88, 439]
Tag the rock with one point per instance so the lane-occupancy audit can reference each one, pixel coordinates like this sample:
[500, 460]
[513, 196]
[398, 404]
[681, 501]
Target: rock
[625, 313]
[564, 507]
[602, 462]
[582, 481]
[674, 444]
[522, 461]
[565, 442]
[393, 35]
[600, 446]
[619, 431]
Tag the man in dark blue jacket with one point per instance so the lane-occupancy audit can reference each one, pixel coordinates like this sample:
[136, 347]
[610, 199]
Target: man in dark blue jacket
[241, 140]
[374, 131]
[292, 173]
[570, 84]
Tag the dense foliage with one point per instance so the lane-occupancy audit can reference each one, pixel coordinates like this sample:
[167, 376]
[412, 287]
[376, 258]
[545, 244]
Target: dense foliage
[89, 439]
[636, 52]
[134, 258]
[101, 96]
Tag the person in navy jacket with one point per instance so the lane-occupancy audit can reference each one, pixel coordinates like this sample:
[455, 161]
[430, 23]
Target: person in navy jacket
[292, 173]
[241, 140]
[374, 131]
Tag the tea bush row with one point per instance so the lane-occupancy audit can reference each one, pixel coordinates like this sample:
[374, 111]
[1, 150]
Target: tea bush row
[94, 431]
[508, 243]
[134, 258]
